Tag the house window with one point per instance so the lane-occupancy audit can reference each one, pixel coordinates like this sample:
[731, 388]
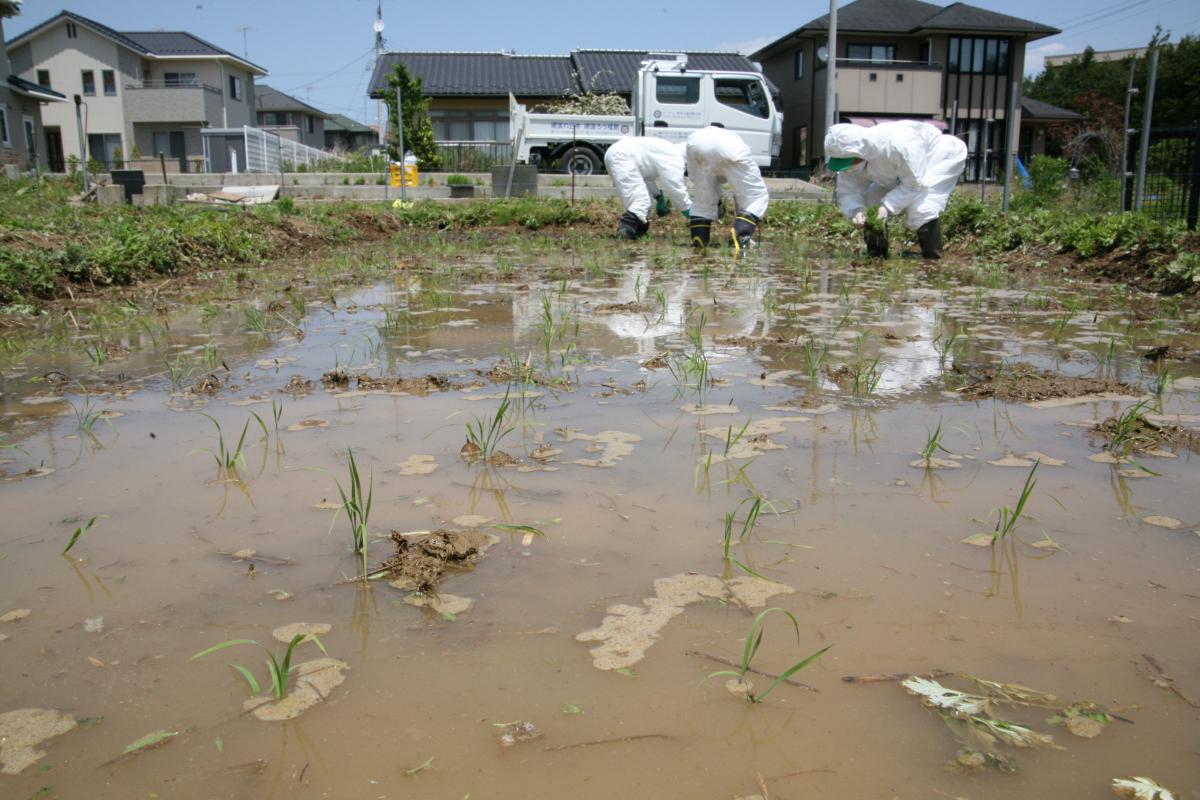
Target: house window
[978, 56]
[926, 52]
[5, 139]
[899, 77]
[235, 87]
[43, 77]
[681, 91]
[179, 79]
[871, 53]
[110, 83]
[72, 31]
[89, 82]
[103, 147]
[745, 95]
[874, 76]
[308, 123]
[469, 126]
[799, 65]
[800, 146]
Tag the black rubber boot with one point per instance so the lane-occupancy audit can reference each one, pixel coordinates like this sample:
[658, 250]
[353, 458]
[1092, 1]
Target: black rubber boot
[701, 228]
[744, 227]
[630, 227]
[930, 237]
[877, 241]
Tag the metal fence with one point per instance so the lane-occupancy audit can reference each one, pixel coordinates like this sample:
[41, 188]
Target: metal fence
[477, 156]
[1172, 186]
[268, 152]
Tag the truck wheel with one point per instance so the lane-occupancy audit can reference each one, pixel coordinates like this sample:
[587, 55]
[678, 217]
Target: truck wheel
[579, 161]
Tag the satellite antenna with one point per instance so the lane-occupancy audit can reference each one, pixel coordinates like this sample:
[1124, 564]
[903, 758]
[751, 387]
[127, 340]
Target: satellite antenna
[245, 49]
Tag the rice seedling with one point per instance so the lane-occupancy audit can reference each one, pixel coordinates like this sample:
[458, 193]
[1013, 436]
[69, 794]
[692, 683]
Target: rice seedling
[299, 304]
[86, 415]
[279, 669]
[209, 312]
[79, 532]
[229, 461]
[179, 370]
[864, 377]
[747, 524]
[1163, 378]
[933, 443]
[1007, 518]
[732, 438]
[256, 319]
[945, 347]
[357, 508]
[814, 357]
[1060, 327]
[210, 355]
[95, 353]
[486, 435]
[754, 639]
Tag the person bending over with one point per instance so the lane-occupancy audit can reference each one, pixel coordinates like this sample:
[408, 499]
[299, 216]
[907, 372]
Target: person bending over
[902, 166]
[715, 153]
[637, 166]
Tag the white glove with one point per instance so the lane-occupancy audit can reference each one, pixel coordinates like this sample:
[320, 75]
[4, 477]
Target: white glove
[859, 218]
[883, 213]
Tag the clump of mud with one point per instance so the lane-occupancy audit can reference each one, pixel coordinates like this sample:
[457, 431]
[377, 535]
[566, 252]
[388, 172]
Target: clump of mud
[1150, 432]
[632, 307]
[419, 386]
[1023, 384]
[297, 386]
[419, 563]
[336, 379]
[210, 385]
[627, 632]
[314, 681]
[23, 730]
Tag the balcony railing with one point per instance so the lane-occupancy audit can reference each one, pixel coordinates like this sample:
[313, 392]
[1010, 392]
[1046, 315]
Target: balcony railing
[172, 84]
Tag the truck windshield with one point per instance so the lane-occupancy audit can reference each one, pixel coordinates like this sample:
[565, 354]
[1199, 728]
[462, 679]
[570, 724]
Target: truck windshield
[677, 90]
[744, 94]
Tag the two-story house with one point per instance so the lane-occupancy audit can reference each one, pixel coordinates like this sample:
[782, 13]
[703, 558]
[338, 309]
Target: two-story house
[20, 108]
[954, 66]
[143, 93]
[288, 117]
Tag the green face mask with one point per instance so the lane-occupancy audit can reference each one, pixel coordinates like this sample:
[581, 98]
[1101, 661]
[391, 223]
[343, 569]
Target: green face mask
[839, 164]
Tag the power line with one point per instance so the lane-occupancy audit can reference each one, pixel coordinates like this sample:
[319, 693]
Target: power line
[1098, 24]
[1115, 8]
[310, 84]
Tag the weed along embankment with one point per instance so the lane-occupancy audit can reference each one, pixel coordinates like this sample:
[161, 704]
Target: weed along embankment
[472, 499]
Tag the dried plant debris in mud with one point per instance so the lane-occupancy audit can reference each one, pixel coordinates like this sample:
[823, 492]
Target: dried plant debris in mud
[1021, 383]
[611, 445]
[314, 681]
[627, 632]
[1134, 431]
[421, 560]
[297, 386]
[980, 733]
[631, 307]
[513, 733]
[1138, 788]
[21, 732]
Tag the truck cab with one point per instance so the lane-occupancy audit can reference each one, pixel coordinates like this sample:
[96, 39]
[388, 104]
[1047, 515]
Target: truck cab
[669, 101]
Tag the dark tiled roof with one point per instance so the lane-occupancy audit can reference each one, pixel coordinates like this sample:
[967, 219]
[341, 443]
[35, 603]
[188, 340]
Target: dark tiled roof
[1037, 110]
[475, 74]
[26, 87]
[615, 70]
[884, 16]
[268, 99]
[149, 43]
[340, 122]
[960, 16]
[912, 16]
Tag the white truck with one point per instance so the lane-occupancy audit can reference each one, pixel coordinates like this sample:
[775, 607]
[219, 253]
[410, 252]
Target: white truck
[669, 101]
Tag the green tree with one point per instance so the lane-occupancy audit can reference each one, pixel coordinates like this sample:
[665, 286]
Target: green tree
[418, 129]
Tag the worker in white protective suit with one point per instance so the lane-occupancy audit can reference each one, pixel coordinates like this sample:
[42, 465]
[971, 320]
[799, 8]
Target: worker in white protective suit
[638, 166]
[715, 153]
[904, 166]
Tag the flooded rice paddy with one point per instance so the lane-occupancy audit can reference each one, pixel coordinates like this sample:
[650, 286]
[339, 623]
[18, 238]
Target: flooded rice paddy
[684, 442]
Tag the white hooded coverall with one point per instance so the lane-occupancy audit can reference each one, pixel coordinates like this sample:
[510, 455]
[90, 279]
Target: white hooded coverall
[637, 163]
[910, 166]
[714, 153]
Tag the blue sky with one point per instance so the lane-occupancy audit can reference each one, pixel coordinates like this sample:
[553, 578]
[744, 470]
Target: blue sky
[322, 51]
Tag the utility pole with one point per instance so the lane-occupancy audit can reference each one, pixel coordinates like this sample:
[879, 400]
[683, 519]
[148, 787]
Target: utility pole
[83, 153]
[1126, 132]
[831, 71]
[378, 57]
[1139, 192]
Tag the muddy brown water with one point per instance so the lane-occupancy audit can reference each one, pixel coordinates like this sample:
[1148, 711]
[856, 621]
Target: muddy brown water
[870, 544]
